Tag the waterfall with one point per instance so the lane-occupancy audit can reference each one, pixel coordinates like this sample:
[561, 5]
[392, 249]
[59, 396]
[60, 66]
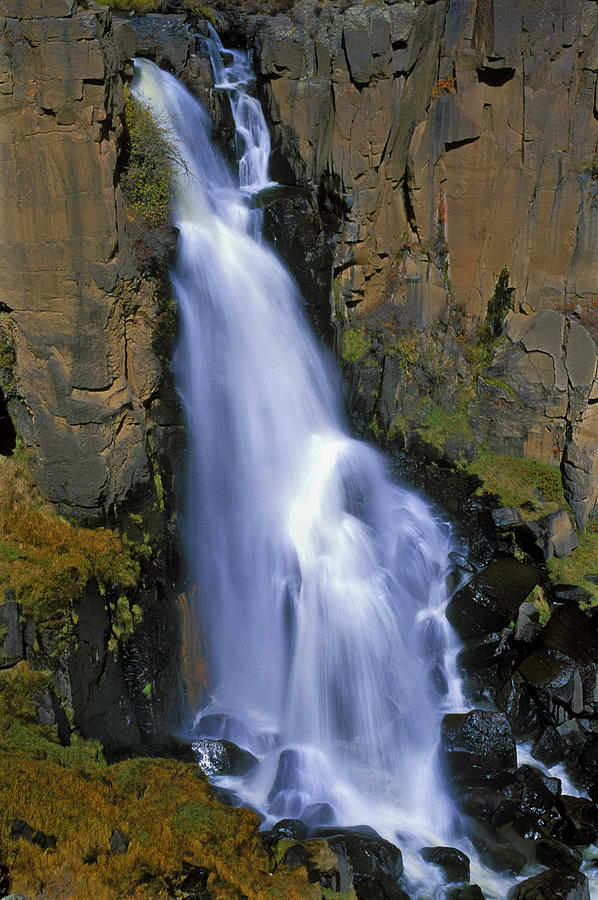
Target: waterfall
[322, 580]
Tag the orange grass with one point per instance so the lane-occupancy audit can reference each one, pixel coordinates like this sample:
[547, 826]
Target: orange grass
[167, 810]
[44, 559]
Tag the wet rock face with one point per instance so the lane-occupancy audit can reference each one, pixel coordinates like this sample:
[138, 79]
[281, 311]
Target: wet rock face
[222, 757]
[352, 859]
[478, 748]
[553, 885]
[491, 600]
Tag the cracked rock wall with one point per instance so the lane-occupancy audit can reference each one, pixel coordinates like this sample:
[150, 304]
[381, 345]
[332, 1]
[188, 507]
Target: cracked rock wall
[80, 314]
[462, 138]
[475, 118]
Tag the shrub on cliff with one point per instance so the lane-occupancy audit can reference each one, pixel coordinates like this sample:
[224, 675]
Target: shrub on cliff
[147, 181]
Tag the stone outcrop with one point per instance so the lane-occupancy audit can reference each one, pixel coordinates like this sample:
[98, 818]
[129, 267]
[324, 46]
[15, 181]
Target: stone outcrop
[86, 380]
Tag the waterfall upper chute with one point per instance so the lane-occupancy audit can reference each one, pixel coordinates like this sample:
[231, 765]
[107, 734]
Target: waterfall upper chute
[323, 581]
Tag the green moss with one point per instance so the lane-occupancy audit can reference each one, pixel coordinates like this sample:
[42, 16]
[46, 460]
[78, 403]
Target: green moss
[167, 810]
[534, 487]
[405, 349]
[539, 600]
[440, 424]
[582, 561]
[499, 384]
[356, 345]
[147, 691]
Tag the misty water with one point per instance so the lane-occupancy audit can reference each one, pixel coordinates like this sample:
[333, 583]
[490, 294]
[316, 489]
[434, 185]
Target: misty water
[322, 580]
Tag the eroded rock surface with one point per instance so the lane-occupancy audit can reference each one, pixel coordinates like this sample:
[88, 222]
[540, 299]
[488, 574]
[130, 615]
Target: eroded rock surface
[86, 377]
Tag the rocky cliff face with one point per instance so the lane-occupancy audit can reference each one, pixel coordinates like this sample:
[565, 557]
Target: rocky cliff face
[82, 349]
[455, 140]
[85, 375]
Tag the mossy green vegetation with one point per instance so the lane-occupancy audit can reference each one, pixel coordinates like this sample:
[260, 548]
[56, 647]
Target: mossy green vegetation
[538, 597]
[581, 562]
[47, 561]
[147, 183]
[534, 487]
[440, 425]
[356, 345]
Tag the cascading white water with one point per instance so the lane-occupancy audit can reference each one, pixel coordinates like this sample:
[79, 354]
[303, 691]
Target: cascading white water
[323, 581]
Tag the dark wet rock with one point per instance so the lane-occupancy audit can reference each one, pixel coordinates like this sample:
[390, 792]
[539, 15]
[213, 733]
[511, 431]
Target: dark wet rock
[119, 842]
[163, 38]
[557, 855]
[571, 593]
[304, 235]
[332, 830]
[478, 748]
[377, 889]
[368, 857]
[464, 892]
[222, 757]
[453, 862]
[100, 696]
[490, 601]
[580, 821]
[485, 651]
[530, 807]
[289, 830]
[506, 517]
[318, 814]
[571, 633]
[514, 698]
[4, 879]
[549, 748]
[495, 850]
[527, 623]
[356, 856]
[539, 792]
[556, 682]
[20, 829]
[322, 865]
[195, 882]
[11, 632]
[553, 885]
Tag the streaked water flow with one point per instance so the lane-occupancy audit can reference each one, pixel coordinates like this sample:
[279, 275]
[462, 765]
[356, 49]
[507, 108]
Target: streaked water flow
[323, 580]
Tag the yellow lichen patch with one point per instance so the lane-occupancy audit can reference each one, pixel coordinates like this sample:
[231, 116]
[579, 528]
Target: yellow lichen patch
[47, 561]
[167, 811]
